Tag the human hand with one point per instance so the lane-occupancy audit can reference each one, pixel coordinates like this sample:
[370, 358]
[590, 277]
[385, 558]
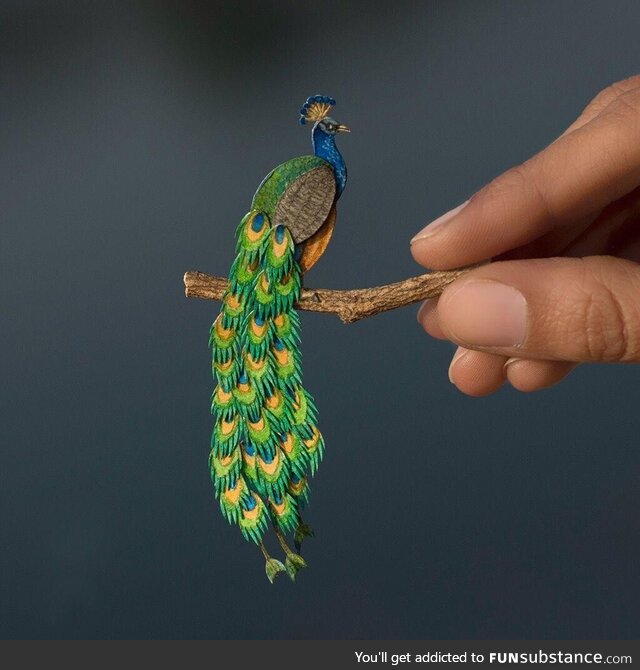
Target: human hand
[564, 231]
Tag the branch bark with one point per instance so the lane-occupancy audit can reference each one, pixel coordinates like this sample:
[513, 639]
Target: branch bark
[349, 305]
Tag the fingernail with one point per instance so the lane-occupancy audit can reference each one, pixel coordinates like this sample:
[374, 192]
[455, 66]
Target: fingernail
[509, 362]
[461, 352]
[485, 313]
[429, 229]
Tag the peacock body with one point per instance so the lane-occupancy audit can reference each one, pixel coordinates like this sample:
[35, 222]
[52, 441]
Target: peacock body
[265, 442]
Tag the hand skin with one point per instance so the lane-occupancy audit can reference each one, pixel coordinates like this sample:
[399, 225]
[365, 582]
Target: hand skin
[563, 232]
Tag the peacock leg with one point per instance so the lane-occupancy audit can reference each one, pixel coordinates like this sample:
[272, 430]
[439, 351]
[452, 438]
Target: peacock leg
[272, 565]
[302, 530]
[293, 561]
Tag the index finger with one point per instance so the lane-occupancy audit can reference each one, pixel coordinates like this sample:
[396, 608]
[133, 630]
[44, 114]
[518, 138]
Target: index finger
[578, 175]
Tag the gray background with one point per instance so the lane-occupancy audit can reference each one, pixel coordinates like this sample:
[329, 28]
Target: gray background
[133, 135]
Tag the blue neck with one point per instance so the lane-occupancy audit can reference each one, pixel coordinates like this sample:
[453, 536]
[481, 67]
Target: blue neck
[324, 146]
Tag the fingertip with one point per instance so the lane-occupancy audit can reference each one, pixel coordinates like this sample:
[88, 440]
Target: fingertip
[476, 373]
[460, 352]
[438, 252]
[528, 375]
[421, 252]
[430, 247]
[428, 318]
[437, 224]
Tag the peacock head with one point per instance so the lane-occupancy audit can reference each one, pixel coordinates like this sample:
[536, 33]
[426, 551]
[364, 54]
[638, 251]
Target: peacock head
[316, 110]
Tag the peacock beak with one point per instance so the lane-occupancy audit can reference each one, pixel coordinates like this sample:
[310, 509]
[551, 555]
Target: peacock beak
[341, 128]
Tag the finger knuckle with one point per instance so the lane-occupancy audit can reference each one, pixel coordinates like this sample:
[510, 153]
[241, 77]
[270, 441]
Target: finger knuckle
[495, 197]
[515, 180]
[626, 107]
[610, 94]
[605, 319]
[524, 183]
[603, 333]
[617, 89]
[627, 84]
[604, 98]
[533, 183]
[500, 187]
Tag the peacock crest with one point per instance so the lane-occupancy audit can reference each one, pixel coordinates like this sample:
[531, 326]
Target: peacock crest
[316, 108]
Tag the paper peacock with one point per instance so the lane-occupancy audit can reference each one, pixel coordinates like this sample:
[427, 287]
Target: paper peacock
[265, 442]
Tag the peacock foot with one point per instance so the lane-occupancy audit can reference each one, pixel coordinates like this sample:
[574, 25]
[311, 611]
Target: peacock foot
[293, 563]
[303, 530]
[273, 567]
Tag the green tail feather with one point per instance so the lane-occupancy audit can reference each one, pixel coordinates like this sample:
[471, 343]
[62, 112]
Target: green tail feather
[265, 440]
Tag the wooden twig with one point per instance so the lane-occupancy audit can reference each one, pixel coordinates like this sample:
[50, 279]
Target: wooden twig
[350, 305]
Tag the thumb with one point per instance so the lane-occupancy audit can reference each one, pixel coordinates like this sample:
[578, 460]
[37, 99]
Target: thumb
[571, 309]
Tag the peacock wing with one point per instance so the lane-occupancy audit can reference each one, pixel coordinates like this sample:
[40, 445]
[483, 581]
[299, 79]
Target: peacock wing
[305, 205]
[298, 194]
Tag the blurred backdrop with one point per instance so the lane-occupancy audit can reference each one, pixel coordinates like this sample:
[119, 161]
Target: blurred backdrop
[133, 135]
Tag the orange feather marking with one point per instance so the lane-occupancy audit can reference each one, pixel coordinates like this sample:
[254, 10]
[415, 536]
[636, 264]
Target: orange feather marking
[312, 442]
[270, 468]
[228, 427]
[297, 488]
[251, 233]
[317, 244]
[224, 460]
[273, 401]
[288, 443]
[232, 494]
[233, 301]
[223, 332]
[253, 364]
[223, 396]
[258, 425]
[280, 248]
[258, 330]
[281, 356]
[252, 513]
[278, 509]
